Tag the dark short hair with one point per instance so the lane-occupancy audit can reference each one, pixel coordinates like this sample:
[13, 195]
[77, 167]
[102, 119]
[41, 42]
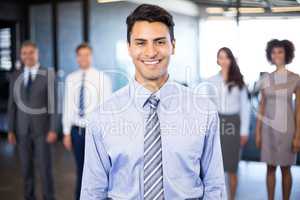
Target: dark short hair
[287, 45]
[150, 13]
[83, 45]
[29, 43]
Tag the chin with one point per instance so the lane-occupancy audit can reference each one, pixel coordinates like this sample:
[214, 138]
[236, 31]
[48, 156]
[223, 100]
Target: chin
[154, 77]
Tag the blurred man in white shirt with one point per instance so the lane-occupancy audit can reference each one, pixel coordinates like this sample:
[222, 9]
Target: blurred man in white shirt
[85, 89]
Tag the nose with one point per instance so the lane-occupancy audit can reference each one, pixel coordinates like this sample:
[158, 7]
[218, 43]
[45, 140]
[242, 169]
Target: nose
[150, 51]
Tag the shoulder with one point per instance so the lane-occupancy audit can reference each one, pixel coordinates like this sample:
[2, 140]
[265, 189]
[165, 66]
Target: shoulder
[197, 101]
[295, 78]
[95, 71]
[73, 75]
[214, 78]
[244, 89]
[184, 89]
[17, 72]
[99, 74]
[211, 85]
[106, 111]
[213, 81]
[117, 101]
[14, 75]
[294, 75]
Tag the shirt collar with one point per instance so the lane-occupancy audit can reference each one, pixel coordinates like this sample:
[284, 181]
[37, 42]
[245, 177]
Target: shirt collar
[218, 78]
[86, 71]
[141, 94]
[33, 69]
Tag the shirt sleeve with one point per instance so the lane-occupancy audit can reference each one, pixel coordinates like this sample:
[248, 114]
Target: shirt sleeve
[298, 82]
[244, 112]
[12, 107]
[96, 164]
[52, 100]
[212, 172]
[67, 107]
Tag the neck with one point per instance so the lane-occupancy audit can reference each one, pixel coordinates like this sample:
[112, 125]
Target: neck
[280, 68]
[31, 66]
[152, 85]
[224, 73]
[84, 68]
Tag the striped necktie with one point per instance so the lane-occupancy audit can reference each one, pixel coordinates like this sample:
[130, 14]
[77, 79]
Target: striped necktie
[81, 97]
[153, 170]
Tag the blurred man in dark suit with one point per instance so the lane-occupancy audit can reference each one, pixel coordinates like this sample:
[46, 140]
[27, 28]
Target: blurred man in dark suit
[32, 119]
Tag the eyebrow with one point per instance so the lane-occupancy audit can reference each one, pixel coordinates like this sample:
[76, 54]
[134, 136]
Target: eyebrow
[156, 39]
[160, 38]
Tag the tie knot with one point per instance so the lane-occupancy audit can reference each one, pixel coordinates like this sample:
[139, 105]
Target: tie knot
[153, 101]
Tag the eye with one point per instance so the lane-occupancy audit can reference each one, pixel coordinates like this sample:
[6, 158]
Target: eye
[161, 42]
[140, 44]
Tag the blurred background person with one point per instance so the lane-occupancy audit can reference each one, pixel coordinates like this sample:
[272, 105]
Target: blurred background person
[32, 120]
[85, 88]
[231, 98]
[277, 129]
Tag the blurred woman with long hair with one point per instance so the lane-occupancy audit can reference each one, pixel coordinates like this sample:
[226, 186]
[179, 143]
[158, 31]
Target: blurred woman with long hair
[231, 98]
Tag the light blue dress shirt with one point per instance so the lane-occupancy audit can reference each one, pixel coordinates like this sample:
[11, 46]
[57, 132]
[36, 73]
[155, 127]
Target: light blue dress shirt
[191, 152]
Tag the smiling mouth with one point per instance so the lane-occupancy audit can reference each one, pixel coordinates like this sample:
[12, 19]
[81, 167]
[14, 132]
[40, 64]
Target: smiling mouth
[151, 62]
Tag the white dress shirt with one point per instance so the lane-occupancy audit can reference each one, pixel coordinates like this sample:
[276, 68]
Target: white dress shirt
[97, 87]
[230, 102]
[33, 70]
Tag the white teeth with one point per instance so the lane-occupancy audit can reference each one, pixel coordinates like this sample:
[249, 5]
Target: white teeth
[151, 62]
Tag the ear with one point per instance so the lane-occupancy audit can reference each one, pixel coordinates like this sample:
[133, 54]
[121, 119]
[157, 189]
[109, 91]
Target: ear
[173, 46]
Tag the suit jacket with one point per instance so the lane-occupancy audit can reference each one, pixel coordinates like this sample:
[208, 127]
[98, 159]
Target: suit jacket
[33, 113]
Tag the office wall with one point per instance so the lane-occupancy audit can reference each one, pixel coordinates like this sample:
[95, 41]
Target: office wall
[69, 35]
[41, 32]
[185, 64]
[108, 39]
[69, 27]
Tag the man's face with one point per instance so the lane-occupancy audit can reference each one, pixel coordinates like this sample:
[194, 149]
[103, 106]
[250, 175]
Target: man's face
[150, 48]
[29, 56]
[84, 58]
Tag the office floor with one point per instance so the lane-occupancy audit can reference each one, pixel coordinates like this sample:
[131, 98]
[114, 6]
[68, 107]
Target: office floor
[251, 186]
[11, 187]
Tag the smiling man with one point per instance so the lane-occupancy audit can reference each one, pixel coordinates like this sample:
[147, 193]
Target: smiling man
[153, 139]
